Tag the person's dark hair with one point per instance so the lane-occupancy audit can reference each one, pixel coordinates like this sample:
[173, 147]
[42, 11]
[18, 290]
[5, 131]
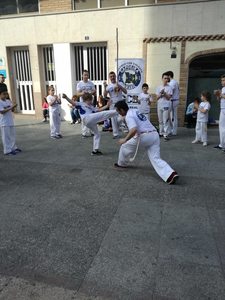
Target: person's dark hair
[144, 85]
[222, 76]
[87, 96]
[197, 99]
[3, 88]
[164, 74]
[2, 75]
[170, 73]
[121, 105]
[85, 71]
[112, 72]
[206, 94]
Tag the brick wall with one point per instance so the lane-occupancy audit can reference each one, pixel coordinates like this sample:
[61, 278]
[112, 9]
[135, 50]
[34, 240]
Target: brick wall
[48, 6]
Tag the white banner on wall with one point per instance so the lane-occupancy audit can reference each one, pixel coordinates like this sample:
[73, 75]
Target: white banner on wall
[131, 75]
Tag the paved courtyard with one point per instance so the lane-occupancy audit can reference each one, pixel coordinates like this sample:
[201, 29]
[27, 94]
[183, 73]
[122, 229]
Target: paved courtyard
[72, 227]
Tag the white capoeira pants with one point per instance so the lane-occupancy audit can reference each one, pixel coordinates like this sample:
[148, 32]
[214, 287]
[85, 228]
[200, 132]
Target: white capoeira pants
[163, 117]
[8, 138]
[92, 120]
[116, 121]
[54, 122]
[151, 143]
[201, 131]
[85, 130]
[173, 116]
[222, 128]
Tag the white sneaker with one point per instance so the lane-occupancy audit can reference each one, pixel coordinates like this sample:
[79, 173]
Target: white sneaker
[194, 142]
[204, 144]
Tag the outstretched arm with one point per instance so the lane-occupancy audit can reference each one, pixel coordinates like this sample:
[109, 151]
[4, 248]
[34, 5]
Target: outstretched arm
[74, 103]
[105, 106]
[130, 134]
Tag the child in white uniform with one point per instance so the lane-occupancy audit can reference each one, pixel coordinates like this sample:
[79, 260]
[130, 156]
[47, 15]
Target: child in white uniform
[7, 123]
[202, 119]
[142, 132]
[91, 116]
[145, 99]
[54, 113]
[221, 95]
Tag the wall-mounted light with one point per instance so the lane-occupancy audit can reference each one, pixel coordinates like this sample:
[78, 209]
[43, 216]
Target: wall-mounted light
[86, 37]
[173, 50]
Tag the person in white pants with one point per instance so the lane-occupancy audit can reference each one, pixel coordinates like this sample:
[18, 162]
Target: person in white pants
[54, 113]
[221, 95]
[83, 87]
[174, 102]
[91, 116]
[7, 123]
[202, 119]
[164, 93]
[142, 132]
[115, 91]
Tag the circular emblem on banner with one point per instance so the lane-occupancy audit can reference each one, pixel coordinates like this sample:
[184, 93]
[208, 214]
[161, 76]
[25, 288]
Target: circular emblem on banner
[129, 74]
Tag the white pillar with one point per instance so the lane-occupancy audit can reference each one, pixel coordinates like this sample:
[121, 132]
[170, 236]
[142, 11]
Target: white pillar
[64, 72]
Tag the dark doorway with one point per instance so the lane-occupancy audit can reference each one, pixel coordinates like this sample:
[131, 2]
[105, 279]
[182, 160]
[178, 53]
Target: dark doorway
[204, 74]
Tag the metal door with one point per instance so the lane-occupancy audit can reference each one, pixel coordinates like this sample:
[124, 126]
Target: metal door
[49, 67]
[23, 80]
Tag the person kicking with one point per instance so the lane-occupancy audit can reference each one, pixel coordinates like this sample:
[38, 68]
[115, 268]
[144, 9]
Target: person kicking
[91, 116]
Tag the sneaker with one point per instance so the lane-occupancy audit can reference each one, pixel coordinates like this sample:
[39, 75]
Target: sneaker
[173, 178]
[204, 144]
[118, 167]
[11, 153]
[17, 150]
[84, 136]
[116, 137]
[59, 136]
[55, 137]
[166, 138]
[195, 142]
[96, 152]
[44, 120]
[217, 147]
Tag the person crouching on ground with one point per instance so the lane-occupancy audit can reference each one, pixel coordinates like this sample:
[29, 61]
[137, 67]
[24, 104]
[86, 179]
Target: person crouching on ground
[91, 116]
[142, 132]
[7, 123]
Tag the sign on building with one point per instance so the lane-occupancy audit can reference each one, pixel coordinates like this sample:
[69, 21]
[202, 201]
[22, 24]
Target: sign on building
[131, 75]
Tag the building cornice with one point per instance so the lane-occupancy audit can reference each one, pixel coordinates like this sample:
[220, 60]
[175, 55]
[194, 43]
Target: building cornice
[180, 38]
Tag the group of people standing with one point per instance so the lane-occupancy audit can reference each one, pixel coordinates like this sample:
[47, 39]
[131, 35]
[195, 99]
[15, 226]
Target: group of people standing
[140, 129]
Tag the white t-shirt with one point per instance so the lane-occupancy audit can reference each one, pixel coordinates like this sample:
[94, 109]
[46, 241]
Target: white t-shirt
[163, 102]
[114, 95]
[85, 109]
[6, 119]
[87, 87]
[56, 106]
[135, 119]
[144, 99]
[175, 88]
[203, 117]
[222, 100]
